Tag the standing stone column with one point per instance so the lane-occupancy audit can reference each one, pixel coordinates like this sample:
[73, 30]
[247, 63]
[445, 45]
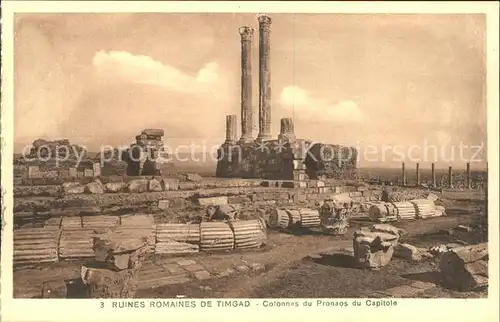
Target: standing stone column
[469, 178]
[433, 174]
[231, 129]
[403, 173]
[418, 174]
[264, 78]
[287, 131]
[450, 177]
[246, 34]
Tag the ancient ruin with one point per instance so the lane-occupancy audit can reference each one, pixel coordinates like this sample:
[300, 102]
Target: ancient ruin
[285, 157]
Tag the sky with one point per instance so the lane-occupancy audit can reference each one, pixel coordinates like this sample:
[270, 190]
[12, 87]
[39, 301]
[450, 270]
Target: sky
[362, 80]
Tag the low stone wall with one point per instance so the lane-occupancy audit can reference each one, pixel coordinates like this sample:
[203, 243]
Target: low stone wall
[154, 195]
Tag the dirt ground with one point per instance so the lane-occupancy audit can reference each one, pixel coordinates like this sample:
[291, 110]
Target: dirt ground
[290, 271]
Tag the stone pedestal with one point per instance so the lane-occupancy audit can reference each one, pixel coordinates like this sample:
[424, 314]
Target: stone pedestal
[117, 260]
[374, 248]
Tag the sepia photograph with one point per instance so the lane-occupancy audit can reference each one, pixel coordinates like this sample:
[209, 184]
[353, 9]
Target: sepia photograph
[249, 155]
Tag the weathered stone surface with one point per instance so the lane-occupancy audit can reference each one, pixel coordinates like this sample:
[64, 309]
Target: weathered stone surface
[334, 218]
[140, 185]
[119, 252]
[374, 248]
[407, 251]
[73, 188]
[163, 204]
[202, 275]
[213, 201]
[95, 187]
[105, 283]
[192, 177]
[223, 212]
[37, 191]
[54, 289]
[170, 184]
[112, 187]
[155, 185]
[465, 268]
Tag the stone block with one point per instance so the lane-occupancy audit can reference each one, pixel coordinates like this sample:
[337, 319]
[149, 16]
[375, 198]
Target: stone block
[137, 186]
[163, 204]
[88, 173]
[72, 172]
[202, 275]
[155, 185]
[213, 201]
[188, 186]
[170, 184]
[177, 203]
[95, 187]
[73, 188]
[34, 171]
[408, 252]
[113, 187]
[96, 167]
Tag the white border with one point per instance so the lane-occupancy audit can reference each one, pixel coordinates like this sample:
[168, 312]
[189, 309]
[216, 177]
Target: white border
[407, 310]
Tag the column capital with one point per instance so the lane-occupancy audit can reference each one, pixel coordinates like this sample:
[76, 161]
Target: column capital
[246, 33]
[264, 21]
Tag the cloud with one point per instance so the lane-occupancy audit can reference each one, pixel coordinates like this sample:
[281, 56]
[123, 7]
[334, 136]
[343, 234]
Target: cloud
[308, 107]
[145, 70]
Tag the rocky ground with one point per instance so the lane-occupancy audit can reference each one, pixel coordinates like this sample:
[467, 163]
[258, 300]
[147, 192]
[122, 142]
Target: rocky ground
[306, 264]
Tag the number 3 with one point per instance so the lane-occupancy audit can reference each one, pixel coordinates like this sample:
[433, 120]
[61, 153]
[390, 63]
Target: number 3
[102, 305]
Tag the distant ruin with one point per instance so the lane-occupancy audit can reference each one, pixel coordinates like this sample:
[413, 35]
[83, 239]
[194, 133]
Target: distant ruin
[284, 158]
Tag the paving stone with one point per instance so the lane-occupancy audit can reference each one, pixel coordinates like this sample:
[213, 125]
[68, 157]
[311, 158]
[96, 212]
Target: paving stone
[202, 275]
[401, 291]
[159, 281]
[422, 285]
[173, 268]
[194, 268]
[185, 262]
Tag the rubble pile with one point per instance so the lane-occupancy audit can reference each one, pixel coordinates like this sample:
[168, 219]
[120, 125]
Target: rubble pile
[117, 259]
[374, 248]
[57, 153]
[465, 268]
